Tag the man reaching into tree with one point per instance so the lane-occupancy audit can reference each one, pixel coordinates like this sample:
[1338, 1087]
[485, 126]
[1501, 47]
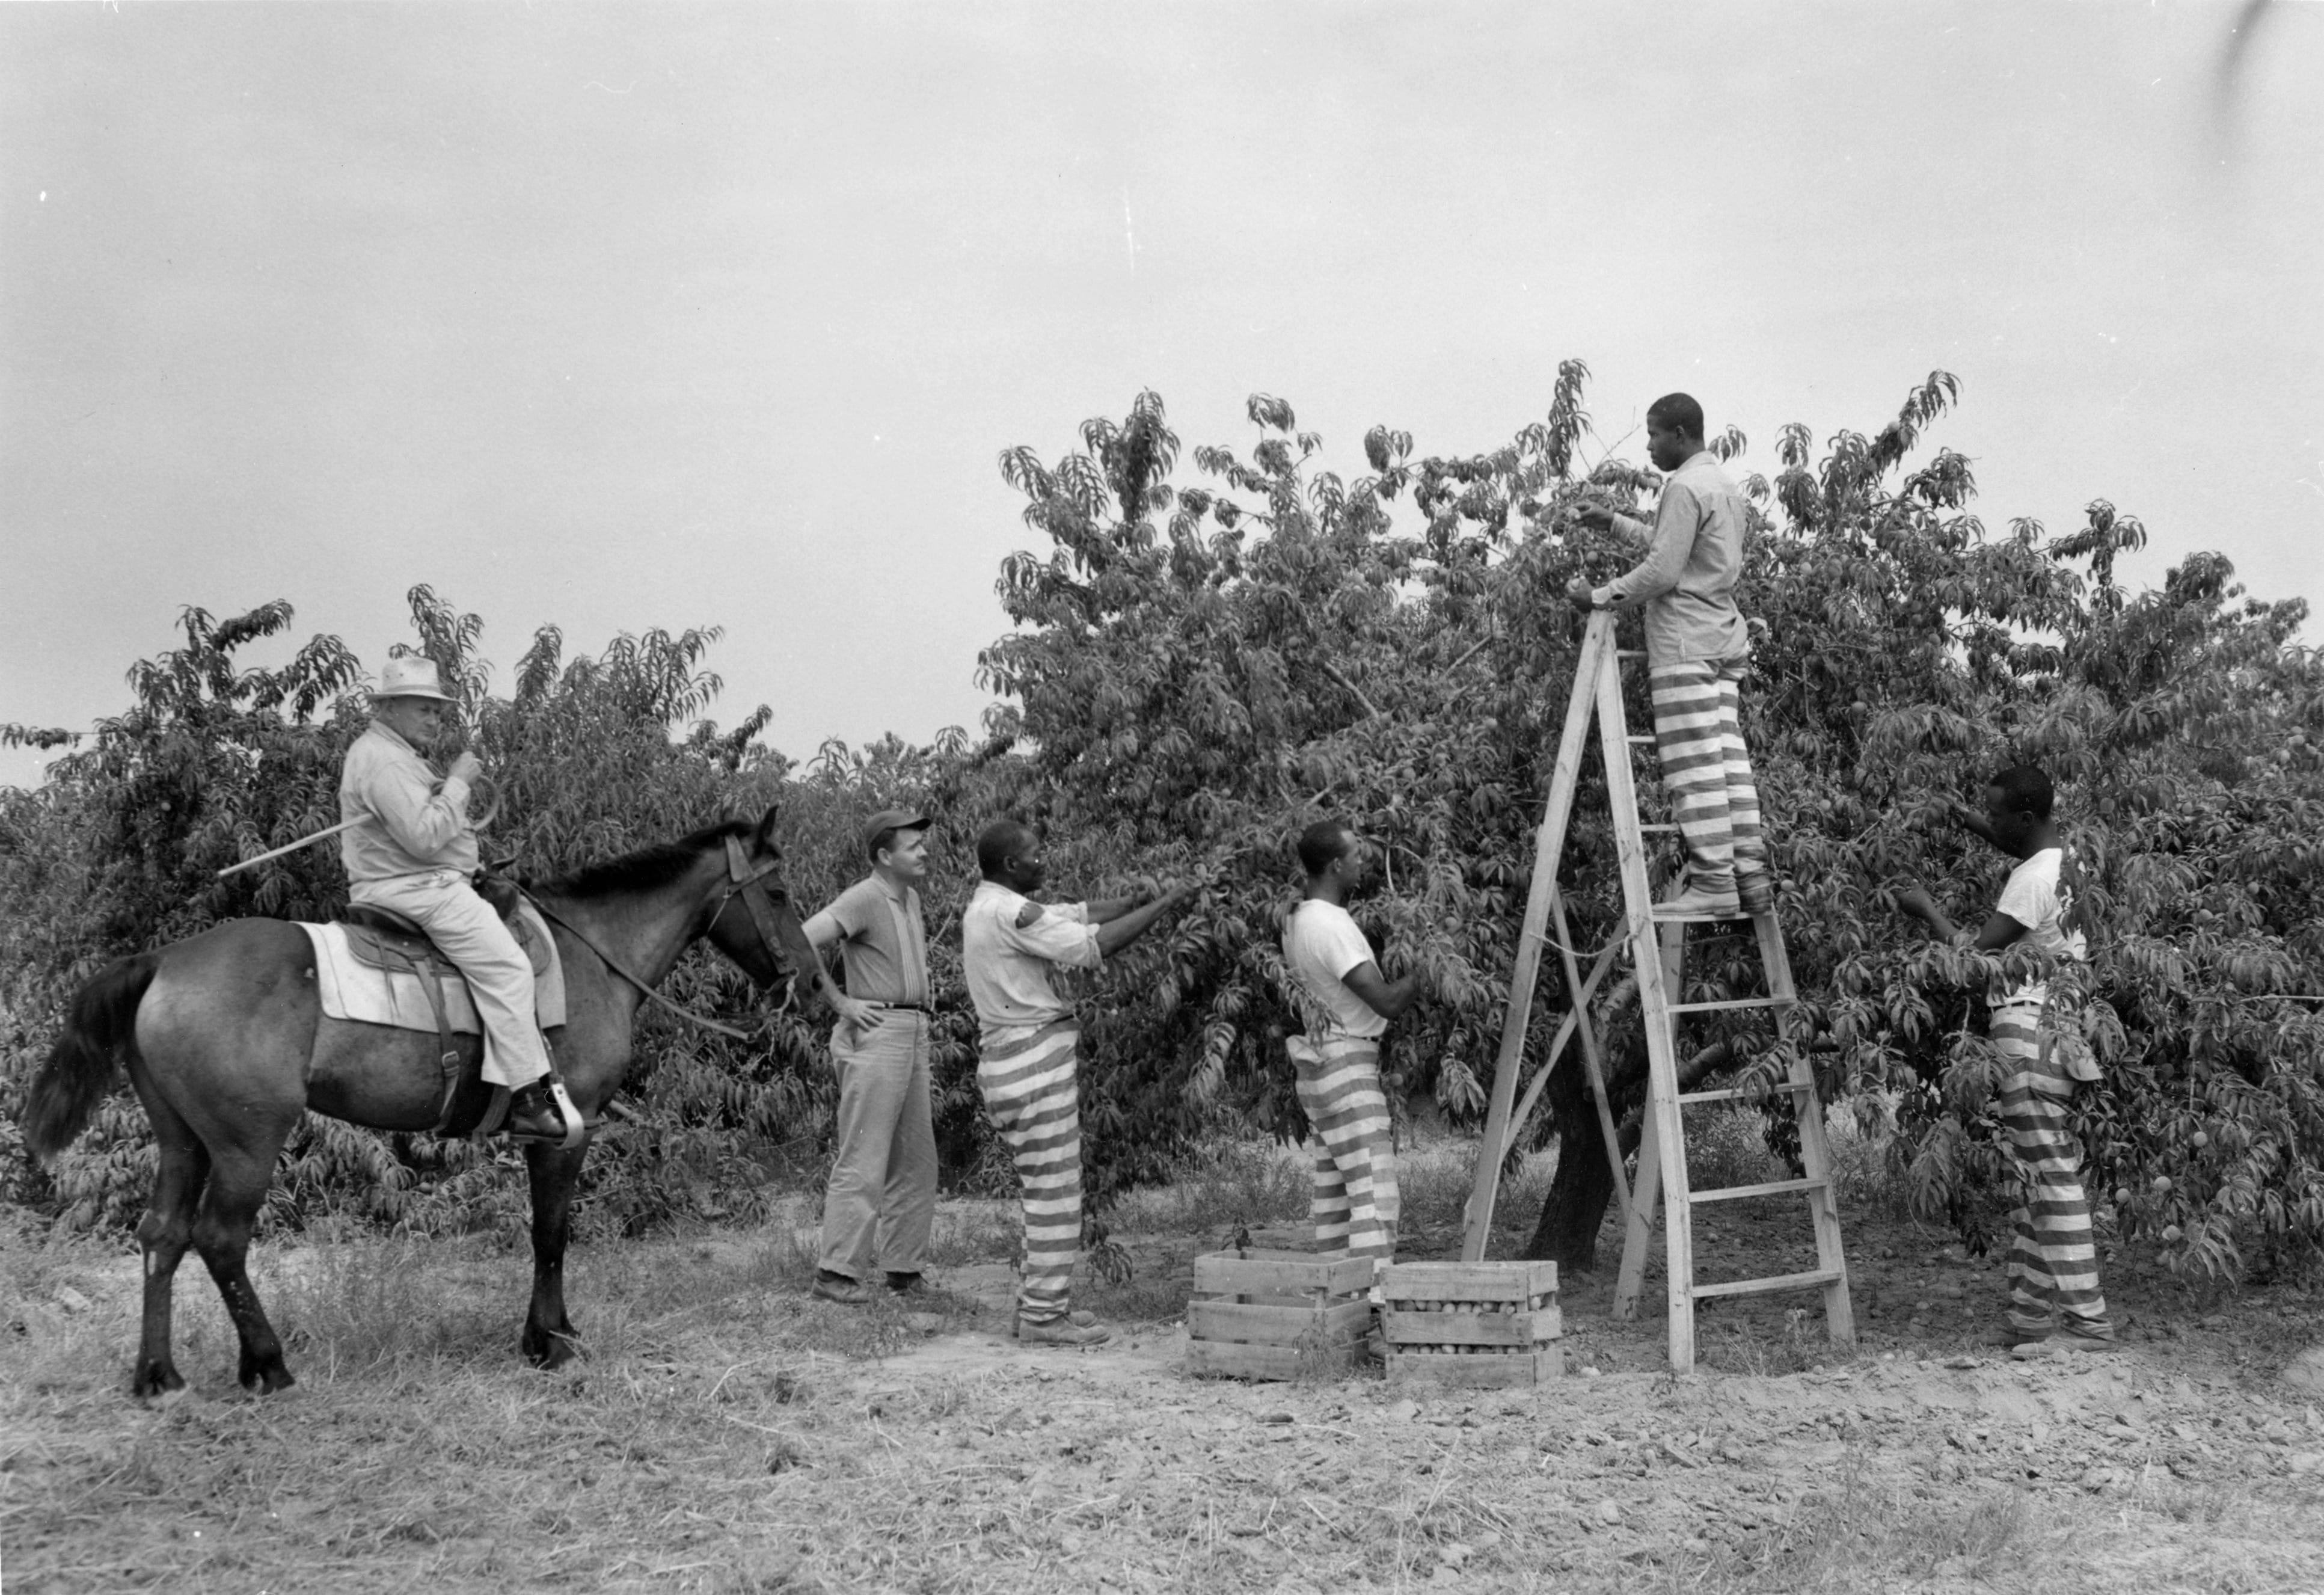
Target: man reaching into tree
[1028, 1065]
[1697, 650]
[1349, 1003]
[2053, 1267]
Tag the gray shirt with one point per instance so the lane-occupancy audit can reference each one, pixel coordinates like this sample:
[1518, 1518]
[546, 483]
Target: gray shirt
[1694, 555]
[882, 940]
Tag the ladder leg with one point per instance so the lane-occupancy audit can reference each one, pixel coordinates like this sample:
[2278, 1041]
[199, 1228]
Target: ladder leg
[1639, 1233]
[1815, 1142]
[1662, 1087]
[1594, 664]
[1578, 992]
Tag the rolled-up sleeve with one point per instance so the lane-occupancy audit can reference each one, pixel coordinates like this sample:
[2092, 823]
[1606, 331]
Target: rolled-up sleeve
[1676, 521]
[1063, 934]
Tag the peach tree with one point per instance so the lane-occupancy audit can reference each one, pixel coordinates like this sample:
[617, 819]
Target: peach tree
[1203, 663]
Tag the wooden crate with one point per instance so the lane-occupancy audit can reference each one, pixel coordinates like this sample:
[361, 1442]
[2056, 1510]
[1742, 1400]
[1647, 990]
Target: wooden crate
[1276, 1315]
[1488, 1324]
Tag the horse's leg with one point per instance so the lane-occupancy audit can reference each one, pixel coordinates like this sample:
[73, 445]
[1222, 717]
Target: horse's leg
[548, 1333]
[168, 1225]
[239, 1177]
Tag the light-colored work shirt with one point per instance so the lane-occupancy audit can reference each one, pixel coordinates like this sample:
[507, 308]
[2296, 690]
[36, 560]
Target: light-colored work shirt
[408, 823]
[883, 943]
[1321, 944]
[1694, 557]
[2040, 895]
[1008, 963]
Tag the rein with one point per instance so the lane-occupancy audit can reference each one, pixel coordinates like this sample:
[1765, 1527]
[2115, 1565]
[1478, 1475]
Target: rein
[740, 877]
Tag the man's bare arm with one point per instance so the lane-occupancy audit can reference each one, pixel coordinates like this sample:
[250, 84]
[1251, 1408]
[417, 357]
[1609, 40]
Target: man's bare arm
[1106, 910]
[1385, 996]
[2001, 930]
[1127, 928]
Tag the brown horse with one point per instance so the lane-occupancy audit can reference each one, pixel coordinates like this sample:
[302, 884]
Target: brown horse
[226, 1041]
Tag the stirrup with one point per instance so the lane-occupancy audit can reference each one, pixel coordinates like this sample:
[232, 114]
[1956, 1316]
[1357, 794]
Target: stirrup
[576, 1131]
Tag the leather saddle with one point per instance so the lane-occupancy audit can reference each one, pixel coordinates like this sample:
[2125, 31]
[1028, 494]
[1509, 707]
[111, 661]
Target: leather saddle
[380, 939]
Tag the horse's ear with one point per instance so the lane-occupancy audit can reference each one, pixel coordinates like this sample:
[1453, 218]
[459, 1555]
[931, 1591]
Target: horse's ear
[766, 837]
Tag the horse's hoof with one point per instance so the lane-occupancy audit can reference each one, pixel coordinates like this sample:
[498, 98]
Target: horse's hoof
[156, 1381]
[550, 1350]
[265, 1378]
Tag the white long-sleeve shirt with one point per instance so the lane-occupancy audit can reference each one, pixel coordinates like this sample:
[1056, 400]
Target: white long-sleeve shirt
[407, 824]
[1694, 556]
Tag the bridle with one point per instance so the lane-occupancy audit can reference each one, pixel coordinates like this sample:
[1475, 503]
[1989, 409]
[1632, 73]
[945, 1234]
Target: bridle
[749, 881]
[743, 880]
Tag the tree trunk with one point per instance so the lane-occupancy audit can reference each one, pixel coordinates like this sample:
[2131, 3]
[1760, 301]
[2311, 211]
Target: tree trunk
[1583, 1188]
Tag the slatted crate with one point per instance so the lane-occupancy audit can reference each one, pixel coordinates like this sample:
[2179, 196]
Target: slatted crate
[1491, 1324]
[1277, 1314]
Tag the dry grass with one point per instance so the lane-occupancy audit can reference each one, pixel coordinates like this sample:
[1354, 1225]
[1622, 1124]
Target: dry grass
[727, 1434]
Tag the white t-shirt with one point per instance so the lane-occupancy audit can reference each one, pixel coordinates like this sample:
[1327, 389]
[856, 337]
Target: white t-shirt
[1320, 944]
[2039, 897]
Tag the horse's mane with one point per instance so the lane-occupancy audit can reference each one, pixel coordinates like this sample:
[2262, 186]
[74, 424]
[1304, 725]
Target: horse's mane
[644, 869]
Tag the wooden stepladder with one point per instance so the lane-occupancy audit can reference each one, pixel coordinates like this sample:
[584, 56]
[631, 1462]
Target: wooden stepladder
[1657, 943]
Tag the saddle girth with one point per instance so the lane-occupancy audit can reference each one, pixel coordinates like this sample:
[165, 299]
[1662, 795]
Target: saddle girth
[392, 941]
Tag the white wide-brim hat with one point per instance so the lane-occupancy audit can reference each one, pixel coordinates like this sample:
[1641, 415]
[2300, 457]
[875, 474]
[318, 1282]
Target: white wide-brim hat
[411, 674]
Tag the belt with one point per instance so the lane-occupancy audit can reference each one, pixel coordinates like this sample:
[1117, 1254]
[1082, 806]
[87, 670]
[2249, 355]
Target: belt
[906, 1007]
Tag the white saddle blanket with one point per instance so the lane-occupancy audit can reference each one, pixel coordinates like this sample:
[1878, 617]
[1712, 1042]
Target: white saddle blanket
[353, 990]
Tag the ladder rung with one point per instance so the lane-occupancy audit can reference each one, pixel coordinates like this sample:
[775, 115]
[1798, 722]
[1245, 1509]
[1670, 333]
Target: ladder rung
[1687, 1099]
[1771, 1188]
[1777, 1282]
[1658, 827]
[1647, 736]
[1629, 653]
[1738, 1002]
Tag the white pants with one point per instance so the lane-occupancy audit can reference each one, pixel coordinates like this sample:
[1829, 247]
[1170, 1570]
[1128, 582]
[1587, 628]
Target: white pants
[500, 976]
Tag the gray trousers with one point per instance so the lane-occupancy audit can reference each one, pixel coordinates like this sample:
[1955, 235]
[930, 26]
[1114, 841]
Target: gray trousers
[882, 1196]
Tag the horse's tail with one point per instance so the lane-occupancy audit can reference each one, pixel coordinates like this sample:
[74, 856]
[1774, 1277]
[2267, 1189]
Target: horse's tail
[100, 1030]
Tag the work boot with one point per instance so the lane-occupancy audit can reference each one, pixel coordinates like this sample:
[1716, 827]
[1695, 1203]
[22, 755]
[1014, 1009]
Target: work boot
[832, 1286]
[1756, 891]
[2013, 1337]
[1074, 1328]
[1701, 902]
[2073, 1337]
[533, 1114]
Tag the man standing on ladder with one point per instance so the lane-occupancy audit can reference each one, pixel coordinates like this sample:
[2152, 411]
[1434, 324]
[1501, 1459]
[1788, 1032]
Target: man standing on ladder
[1349, 1003]
[1697, 650]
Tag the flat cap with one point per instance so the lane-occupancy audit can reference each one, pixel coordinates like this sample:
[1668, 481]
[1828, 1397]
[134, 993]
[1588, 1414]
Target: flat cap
[891, 819]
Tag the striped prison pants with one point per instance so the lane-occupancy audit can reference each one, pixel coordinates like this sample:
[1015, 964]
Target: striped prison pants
[1356, 1202]
[1026, 1075]
[1706, 770]
[2054, 1265]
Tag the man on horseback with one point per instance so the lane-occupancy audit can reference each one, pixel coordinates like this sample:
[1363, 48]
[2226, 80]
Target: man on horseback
[412, 850]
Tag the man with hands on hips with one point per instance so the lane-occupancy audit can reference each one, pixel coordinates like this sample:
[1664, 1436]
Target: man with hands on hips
[883, 1196]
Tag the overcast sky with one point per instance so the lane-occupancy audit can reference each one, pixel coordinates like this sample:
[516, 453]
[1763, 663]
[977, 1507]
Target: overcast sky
[670, 316]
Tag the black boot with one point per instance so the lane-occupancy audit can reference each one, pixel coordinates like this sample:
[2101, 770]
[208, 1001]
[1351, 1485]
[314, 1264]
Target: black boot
[532, 1113]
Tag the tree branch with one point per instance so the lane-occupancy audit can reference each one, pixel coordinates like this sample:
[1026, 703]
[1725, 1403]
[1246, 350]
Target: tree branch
[1333, 672]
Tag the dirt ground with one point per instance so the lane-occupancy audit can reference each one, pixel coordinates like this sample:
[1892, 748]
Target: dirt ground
[726, 1433]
